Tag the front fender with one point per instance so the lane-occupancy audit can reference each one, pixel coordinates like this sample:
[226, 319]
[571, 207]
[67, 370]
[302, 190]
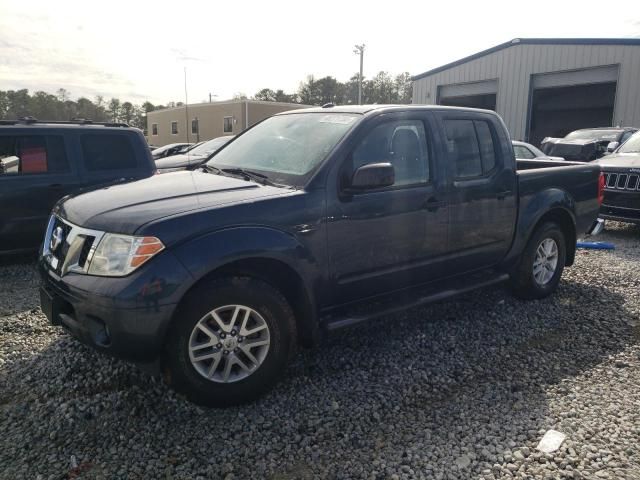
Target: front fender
[206, 253]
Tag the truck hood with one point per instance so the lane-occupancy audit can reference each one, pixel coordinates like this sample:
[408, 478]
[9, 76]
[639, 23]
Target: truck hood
[620, 160]
[126, 207]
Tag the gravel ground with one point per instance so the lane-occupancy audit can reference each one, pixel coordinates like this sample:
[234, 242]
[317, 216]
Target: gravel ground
[457, 390]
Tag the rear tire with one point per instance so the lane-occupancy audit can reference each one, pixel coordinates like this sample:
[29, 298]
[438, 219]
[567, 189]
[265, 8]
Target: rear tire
[211, 354]
[542, 263]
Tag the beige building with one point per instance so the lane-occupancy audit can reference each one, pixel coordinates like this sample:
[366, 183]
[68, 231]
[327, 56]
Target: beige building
[204, 121]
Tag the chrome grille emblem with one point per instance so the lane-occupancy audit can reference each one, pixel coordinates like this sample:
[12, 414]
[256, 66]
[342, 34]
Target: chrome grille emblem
[56, 239]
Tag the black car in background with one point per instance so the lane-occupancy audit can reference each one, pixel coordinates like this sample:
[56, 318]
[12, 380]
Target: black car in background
[622, 187]
[194, 157]
[41, 162]
[587, 144]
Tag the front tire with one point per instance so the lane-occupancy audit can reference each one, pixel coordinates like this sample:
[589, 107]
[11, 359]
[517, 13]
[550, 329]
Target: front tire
[542, 263]
[230, 341]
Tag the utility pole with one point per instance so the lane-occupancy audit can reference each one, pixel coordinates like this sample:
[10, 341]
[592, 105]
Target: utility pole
[186, 105]
[211, 95]
[359, 50]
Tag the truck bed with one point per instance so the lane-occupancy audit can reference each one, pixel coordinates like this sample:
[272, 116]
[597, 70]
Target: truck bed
[575, 181]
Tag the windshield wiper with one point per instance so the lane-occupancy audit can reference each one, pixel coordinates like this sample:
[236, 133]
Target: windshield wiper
[209, 168]
[249, 175]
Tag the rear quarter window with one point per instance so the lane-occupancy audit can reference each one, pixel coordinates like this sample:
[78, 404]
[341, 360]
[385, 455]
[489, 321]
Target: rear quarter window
[103, 153]
[32, 154]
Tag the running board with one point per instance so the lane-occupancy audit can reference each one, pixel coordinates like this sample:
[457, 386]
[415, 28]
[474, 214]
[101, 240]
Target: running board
[411, 298]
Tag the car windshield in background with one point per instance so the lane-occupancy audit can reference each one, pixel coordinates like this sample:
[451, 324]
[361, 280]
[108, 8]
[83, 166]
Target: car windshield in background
[286, 148]
[611, 135]
[209, 147]
[632, 145]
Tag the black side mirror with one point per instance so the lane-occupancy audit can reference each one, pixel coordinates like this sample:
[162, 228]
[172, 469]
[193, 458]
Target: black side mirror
[373, 175]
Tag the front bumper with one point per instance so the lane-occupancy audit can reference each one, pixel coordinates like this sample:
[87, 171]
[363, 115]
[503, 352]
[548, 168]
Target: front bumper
[127, 317]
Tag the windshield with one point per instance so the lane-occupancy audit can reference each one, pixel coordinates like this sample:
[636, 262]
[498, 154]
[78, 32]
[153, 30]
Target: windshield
[286, 148]
[209, 147]
[632, 145]
[611, 135]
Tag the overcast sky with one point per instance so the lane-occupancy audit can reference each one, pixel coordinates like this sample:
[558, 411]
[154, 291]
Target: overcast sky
[137, 50]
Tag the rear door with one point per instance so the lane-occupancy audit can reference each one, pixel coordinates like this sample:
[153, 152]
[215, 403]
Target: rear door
[482, 190]
[35, 173]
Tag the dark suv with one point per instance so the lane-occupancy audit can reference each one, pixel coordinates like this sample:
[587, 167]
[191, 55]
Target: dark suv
[41, 162]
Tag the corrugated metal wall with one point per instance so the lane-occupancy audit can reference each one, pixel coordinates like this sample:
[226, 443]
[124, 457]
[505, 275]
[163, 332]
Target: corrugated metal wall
[514, 66]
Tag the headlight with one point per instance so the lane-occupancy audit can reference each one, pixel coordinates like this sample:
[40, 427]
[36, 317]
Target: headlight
[119, 255]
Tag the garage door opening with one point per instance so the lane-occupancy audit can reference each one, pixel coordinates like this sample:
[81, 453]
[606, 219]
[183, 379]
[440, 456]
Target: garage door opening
[487, 101]
[557, 111]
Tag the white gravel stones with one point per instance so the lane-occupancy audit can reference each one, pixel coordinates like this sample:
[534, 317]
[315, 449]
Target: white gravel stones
[480, 378]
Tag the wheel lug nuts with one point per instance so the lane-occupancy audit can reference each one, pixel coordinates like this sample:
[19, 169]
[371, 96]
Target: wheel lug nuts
[223, 335]
[219, 345]
[233, 333]
[226, 352]
[240, 339]
[236, 350]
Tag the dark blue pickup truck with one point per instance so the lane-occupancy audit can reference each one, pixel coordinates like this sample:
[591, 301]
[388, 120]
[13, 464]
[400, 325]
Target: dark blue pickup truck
[309, 221]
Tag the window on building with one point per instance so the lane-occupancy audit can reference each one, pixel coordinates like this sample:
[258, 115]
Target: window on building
[174, 128]
[194, 126]
[107, 152]
[403, 144]
[154, 129]
[227, 126]
[470, 145]
[32, 154]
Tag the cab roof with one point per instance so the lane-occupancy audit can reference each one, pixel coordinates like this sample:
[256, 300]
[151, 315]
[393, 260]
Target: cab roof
[365, 109]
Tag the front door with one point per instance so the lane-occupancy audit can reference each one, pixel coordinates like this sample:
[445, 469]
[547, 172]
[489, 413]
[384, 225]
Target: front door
[35, 173]
[385, 239]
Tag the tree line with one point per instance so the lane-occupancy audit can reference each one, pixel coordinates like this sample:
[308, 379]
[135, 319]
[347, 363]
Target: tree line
[45, 106]
[383, 88]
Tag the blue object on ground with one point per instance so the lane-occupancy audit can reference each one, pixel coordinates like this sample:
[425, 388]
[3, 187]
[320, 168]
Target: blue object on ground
[596, 245]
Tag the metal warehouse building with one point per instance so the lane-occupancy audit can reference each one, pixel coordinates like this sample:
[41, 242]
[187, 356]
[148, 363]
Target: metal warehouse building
[543, 87]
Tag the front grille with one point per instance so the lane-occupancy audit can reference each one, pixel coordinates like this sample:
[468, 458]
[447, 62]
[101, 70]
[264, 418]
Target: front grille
[86, 248]
[622, 181]
[74, 250]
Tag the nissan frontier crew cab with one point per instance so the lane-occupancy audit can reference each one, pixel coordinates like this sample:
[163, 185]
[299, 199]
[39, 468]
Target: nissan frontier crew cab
[309, 221]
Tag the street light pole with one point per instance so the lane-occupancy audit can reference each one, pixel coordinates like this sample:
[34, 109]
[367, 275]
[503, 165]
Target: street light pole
[359, 50]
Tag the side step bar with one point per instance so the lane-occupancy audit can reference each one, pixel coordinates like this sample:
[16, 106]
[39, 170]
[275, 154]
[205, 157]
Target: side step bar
[453, 287]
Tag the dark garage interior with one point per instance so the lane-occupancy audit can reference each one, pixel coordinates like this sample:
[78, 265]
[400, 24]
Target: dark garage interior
[487, 101]
[559, 110]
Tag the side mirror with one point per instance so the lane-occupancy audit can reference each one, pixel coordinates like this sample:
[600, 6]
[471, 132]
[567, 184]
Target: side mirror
[373, 175]
[612, 146]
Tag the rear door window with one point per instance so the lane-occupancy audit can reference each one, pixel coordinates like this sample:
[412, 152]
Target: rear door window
[471, 147]
[32, 155]
[105, 153]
